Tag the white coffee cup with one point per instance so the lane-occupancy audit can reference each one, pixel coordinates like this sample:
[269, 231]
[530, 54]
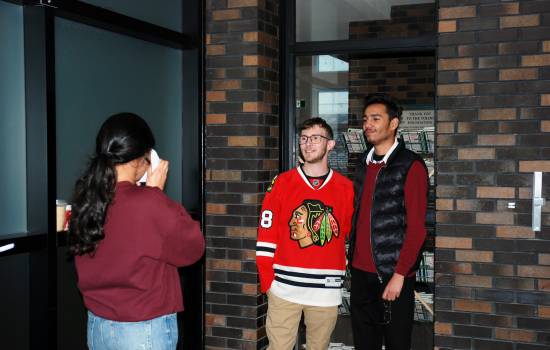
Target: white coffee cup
[61, 208]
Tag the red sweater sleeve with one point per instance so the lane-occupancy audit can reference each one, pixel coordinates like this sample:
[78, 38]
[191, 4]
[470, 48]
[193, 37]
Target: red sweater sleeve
[169, 234]
[184, 244]
[416, 201]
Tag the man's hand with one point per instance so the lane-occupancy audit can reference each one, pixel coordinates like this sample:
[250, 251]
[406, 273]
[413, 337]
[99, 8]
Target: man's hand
[393, 289]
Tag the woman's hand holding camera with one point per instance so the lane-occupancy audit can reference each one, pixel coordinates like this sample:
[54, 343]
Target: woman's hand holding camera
[157, 178]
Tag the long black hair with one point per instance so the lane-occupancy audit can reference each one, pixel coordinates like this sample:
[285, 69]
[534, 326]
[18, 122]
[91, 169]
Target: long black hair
[122, 138]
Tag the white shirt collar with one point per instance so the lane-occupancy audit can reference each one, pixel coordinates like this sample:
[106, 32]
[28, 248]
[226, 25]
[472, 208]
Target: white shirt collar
[385, 159]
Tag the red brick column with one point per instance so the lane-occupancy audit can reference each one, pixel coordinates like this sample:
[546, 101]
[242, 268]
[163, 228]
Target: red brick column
[242, 157]
[492, 270]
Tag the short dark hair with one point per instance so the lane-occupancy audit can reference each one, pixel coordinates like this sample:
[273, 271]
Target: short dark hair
[310, 123]
[393, 109]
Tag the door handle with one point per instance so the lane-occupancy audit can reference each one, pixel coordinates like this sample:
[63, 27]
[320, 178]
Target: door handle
[538, 201]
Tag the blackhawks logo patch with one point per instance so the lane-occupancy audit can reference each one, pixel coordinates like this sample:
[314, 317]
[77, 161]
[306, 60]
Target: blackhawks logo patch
[313, 223]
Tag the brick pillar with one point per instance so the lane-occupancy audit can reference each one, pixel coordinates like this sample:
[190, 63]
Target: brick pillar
[242, 157]
[492, 270]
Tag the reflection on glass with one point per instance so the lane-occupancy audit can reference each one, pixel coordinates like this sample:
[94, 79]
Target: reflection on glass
[99, 73]
[333, 87]
[322, 82]
[333, 102]
[327, 63]
[321, 20]
[333, 107]
[13, 187]
[411, 80]
[165, 13]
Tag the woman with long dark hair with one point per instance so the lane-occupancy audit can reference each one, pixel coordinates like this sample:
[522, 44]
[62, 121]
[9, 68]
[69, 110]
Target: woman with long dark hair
[129, 240]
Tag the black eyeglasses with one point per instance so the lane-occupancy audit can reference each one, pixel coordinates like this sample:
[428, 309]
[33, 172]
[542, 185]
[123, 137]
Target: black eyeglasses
[314, 139]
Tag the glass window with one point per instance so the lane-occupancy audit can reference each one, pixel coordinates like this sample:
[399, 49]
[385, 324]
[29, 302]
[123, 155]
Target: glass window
[328, 63]
[333, 103]
[321, 20]
[13, 187]
[333, 87]
[165, 13]
[100, 73]
[322, 85]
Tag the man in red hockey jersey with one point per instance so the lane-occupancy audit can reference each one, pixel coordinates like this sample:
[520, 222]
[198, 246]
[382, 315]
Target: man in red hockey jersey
[300, 253]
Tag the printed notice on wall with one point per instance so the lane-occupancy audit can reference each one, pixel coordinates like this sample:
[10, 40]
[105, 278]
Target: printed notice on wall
[417, 119]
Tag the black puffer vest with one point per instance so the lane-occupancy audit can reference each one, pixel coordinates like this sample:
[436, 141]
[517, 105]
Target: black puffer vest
[388, 212]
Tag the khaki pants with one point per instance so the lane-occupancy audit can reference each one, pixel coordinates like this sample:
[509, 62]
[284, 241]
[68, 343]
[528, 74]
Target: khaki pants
[283, 319]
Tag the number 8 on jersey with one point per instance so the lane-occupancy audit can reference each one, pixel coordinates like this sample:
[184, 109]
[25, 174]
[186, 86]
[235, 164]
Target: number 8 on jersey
[266, 219]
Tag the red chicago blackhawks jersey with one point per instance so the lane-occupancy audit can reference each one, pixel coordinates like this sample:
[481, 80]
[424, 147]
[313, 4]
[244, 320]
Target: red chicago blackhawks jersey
[301, 253]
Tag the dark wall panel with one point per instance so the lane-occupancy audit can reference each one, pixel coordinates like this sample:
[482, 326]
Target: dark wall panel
[14, 302]
[72, 316]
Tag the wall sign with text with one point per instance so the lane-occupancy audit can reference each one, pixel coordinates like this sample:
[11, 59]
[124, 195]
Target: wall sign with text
[417, 119]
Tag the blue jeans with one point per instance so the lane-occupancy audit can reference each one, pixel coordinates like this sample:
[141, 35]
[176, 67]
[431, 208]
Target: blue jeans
[160, 333]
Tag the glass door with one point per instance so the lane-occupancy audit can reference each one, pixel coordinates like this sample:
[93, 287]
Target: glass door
[333, 87]
[338, 52]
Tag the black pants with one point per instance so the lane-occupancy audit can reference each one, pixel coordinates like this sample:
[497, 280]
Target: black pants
[365, 287]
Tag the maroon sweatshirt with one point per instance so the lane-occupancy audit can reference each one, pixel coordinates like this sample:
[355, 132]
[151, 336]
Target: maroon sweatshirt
[415, 203]
[133, 274]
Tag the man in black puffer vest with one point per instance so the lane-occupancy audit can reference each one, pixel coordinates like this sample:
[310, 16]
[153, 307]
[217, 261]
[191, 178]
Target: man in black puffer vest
[387, 231]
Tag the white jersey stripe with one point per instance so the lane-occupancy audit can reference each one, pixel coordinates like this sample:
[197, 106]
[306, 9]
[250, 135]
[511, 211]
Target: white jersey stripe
[307, 271]
[260, 253]
[300, 279]
[267, 245]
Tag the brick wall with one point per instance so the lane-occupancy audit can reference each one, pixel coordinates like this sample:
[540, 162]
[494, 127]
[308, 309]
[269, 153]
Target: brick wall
[405, 20]
[408, 79]
[492, 270]
[242, 152]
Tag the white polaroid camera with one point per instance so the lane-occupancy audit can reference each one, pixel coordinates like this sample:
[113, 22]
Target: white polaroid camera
[155, 160]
